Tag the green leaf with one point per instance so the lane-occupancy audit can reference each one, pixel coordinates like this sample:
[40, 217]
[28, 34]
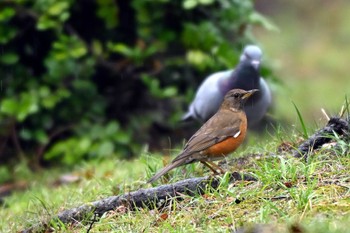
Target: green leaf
[41, 136]
[62, 55]
[169, 92]
[25, 134]
[63, 93]
[49, 99]
[108, 12]
[57, 8]
[112, 128]
[45, 23]
[106, 148]
[64, 16]
[97, 47]
[56, 150]
[6, 14]
[84, 144]
[78, 51]
[206, 2]
[5, 174]
[27, 104]
[44, 91]
[97, 131]
[189, 4]
[9, 58]
[49, 102]
[122, 137]
[198, 58]
[9, 106]
[121, 48]
[7, 33]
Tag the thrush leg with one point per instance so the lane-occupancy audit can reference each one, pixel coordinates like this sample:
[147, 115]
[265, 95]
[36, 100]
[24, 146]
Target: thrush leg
[218, 168]
[212, 166]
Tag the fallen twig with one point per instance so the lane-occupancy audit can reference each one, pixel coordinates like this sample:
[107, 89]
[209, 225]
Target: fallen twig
[142, 198]
[335, 125]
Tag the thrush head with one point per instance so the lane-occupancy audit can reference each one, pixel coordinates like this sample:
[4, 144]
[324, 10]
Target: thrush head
[236, 98]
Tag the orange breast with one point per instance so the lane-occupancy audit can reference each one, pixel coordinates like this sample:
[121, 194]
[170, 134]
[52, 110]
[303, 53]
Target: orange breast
[227, 146]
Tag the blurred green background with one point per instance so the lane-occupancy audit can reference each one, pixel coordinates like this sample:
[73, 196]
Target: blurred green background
[309, 54]
[106, 79]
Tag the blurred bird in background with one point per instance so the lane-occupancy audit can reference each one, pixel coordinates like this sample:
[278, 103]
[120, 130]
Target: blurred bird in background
[245, 76]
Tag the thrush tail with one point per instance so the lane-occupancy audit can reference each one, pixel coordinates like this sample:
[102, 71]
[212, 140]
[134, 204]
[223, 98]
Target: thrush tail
[166, 169]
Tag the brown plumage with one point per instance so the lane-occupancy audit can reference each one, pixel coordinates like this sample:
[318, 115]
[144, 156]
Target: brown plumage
[222, 134]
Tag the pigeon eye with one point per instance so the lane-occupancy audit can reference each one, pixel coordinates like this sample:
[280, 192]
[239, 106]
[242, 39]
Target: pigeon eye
[247, 55]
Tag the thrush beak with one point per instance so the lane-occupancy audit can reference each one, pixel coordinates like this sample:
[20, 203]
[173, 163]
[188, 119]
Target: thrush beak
[249, 93]
[255, 64]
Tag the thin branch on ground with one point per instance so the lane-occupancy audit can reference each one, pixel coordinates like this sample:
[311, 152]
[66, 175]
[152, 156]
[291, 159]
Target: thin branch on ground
[335, 125]
[144, 198]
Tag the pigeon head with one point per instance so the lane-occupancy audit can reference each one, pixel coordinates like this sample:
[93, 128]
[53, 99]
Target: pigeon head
[252, 54]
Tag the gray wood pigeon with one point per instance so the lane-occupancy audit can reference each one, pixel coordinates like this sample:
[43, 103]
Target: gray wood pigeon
[245, 76]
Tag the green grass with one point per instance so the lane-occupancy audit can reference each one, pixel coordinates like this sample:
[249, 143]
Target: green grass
[289, 192]
[45, 198]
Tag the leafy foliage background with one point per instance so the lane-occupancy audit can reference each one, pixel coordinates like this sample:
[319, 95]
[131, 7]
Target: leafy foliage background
[87, 79]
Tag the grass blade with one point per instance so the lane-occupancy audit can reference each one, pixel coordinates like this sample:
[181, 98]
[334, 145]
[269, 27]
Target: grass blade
[346, 109]
[306, 135]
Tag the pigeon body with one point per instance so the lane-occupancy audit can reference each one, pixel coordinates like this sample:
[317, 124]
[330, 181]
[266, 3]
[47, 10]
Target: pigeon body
[245, 76]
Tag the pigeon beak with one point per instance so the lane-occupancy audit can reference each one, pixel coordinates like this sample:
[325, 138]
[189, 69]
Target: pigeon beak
[255, 64]
[249, 93]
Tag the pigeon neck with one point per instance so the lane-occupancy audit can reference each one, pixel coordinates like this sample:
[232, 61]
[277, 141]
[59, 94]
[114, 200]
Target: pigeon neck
[245, 77]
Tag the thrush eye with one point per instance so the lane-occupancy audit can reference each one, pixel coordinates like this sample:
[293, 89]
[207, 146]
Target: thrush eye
[236, 95]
